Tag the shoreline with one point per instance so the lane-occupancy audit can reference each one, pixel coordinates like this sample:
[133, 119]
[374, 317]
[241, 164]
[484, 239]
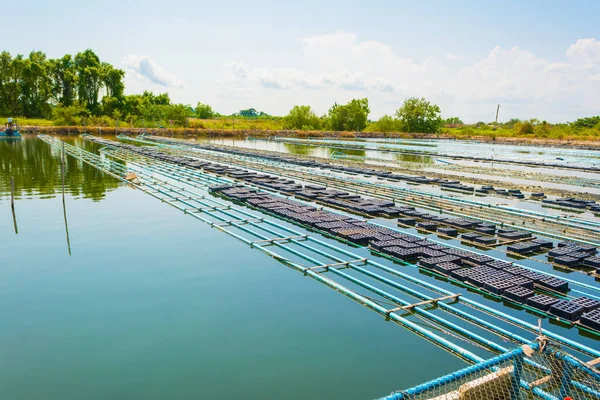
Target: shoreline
[518, 141]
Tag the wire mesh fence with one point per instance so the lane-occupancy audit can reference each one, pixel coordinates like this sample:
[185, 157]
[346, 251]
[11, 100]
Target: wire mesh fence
[539, 370]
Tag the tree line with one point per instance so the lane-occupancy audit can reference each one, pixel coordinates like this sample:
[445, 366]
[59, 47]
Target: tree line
[74, 89]
[415, 115]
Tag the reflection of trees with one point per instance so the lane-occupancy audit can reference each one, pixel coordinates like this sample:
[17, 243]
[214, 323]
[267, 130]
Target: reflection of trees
[414, 158]
[354, 152]
[298, 149]
[36, 168]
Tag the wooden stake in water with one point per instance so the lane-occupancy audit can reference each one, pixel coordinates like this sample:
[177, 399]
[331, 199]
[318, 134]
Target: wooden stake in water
[62, 159]
[12, 192]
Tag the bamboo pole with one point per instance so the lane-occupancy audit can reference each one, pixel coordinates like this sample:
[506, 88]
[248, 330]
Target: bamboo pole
[12, 192]
[62, 161]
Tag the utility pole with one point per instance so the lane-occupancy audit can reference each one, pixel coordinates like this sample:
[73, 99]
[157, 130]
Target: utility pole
[497, 111]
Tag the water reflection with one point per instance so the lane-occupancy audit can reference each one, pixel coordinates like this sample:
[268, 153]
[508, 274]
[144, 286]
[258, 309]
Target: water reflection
[298, 149]
[15, 221]
[414, 158]
[36, 168]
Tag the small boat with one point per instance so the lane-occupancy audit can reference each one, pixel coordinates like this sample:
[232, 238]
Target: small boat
[10, 131]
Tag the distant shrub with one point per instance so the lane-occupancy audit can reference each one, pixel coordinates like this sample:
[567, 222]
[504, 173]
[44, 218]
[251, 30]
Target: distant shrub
[525, 128]
[589, 122]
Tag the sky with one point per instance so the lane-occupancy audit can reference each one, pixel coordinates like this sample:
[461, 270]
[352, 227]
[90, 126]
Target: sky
[537, 59]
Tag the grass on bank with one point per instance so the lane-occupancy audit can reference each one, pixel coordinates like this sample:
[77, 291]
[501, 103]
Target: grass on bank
[266, 125]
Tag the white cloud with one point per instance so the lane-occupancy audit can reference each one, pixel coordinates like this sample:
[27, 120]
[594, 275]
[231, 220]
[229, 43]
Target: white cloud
[339, 66]
[144, 68]
[586, 50]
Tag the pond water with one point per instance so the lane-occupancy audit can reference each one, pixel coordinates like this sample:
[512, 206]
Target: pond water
[113, 294]
[542, 154]
[152, 304]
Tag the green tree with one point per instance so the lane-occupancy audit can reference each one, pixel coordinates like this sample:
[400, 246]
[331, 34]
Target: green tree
[89, 79]
[588, 122]
[511, 123]
[453, 121]
[524, 128]
[386, 123]
[10, 84]
[349, 117]
[64, 75]
[419, 115]
[250, 112]
[70, 115]
[178, 113]
[204, 111]
[302, 117]
[36, 86]
[112, 79]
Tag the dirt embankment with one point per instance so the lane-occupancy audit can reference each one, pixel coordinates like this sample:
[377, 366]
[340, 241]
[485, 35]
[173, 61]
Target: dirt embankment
[583, 144]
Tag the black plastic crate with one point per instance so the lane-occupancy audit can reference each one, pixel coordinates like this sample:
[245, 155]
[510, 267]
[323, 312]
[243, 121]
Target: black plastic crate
[522, 281]
[497, 286]
[390, 211]
[518, 294]
[407, 221]
[567, 261]
[448, 231]
[591, 320]
[579, 255]
[438, 247]
[563, 251]
[533, 275]
[446, 267]
[485, 240]
[427, 252]
[469, 236]
[431, 262]
[485, 230]
[401, 253]
[515, 270]
[378, 245]
[513, 235]
[566, 310]
[458, 252]
[544, 243]
[587, 303]
[480, 280]
[499, 264]
[593, 262]
[429, 226]
[461, 274]
[523, 247]
[359, 238]
[552, 283]
[542, 302]
[479, 259]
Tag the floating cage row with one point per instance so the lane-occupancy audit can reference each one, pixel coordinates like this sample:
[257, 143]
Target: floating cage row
[573, 203]
[490, 275]
[520, 242]
[483, 232]
[368, 172]
[461, 266]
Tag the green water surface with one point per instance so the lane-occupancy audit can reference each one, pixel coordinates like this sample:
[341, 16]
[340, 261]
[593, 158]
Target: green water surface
[152, 304]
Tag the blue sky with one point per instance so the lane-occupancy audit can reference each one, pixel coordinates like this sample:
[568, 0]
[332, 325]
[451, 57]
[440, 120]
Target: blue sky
[536, 58]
